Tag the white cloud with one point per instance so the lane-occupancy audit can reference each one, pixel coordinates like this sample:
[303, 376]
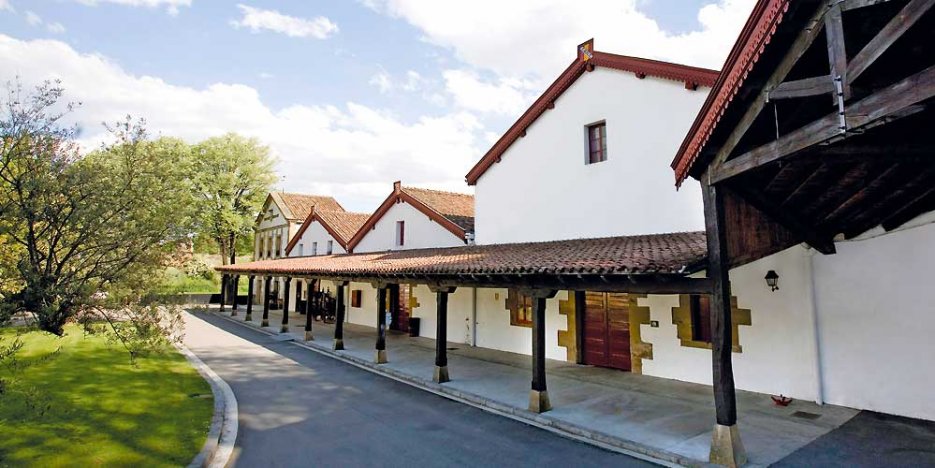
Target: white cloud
[363, 149]
[172, 6]
[257, 19]
[385, 82]
[33, 19]
[56, 28]
[266, 76]
[382, 81]
[6, 6]
[539, 38]
[508, 96]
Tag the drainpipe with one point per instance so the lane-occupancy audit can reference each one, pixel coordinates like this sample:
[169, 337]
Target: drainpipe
[474, 317]
[816, 335]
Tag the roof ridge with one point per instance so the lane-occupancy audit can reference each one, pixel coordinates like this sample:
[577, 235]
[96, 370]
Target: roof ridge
[448, 192]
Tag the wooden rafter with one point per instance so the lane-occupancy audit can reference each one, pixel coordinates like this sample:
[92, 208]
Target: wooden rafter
[893, 30]
[805, 87]
[889, 103]
[860, 195]
[801, 44]
[847, 5]
[851, 183]
[899, 197]
[837, 54]
[918, 205]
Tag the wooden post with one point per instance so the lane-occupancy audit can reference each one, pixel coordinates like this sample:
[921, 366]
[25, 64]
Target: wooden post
[381, 325]
[726, 446]
[249, 317]
[538, 394]
[285, 306]
[339, 316]
[266, 299]
[308, 310]
[223, 291]
[579, 297]
[298, 297]
[235, 285]
[441, 333]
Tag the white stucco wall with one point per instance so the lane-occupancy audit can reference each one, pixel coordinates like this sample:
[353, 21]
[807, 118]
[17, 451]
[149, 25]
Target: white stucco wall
[777, 349]
[543, 190]
[420, 232]
[315, 233]
[876, 303]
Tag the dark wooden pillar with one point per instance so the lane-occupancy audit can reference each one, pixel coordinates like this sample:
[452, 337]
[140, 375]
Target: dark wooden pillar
[223, 291]
[285, 306]
[339, 316]
[235, 285]
[726, 447]
[579, 326]
[309, 316]
[298, 297]
[441, 333]
[538, 394]
[249, 316]
[266, 298]
[381, 324]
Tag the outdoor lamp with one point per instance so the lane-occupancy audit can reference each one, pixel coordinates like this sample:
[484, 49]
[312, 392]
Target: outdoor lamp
[772, 280]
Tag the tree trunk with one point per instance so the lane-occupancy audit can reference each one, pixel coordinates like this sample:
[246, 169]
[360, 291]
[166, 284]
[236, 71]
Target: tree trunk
[233, 247]
[222, 249]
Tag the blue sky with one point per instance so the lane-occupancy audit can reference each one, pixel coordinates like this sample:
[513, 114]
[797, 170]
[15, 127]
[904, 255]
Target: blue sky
[350, 95]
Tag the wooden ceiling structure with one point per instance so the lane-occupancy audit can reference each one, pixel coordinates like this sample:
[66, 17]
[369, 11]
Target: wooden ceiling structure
[829, 133]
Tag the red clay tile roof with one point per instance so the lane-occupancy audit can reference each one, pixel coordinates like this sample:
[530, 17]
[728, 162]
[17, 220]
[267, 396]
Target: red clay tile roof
[753, 39]
[345, 224]
[691, 76]
[297, 206]
[457, 207]
[666, 254]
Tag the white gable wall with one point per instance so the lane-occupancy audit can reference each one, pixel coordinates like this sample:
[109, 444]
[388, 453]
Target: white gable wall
[420, 232]
[543, 190]
[315, 233]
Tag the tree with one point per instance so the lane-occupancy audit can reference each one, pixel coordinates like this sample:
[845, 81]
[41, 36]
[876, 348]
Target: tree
[93, 229]
[232, 176]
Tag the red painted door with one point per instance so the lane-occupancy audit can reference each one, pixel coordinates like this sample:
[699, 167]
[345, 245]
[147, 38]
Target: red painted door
[607, 330]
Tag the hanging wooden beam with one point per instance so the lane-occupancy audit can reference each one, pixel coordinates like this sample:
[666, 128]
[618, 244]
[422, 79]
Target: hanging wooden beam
[837, 53]
[888, 103]
[726, 446]
[902, 22]
[805, 87]
[801, 44]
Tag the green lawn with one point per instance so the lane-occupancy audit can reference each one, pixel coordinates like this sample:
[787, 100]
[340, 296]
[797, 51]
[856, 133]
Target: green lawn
[104, 411]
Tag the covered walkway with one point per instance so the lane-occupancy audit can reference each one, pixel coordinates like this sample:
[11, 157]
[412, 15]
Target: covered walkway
[666, 419]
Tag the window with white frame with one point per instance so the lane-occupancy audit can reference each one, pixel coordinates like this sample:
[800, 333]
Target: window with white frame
[314, 248]
[596, 135]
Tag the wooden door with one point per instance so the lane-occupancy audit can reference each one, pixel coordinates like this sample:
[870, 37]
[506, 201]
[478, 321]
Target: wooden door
[398, 302]
[607, 330]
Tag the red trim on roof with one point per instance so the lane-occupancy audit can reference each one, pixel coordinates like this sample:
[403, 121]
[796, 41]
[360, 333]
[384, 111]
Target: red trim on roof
[399, 194]
[756, 34]
[691, 76]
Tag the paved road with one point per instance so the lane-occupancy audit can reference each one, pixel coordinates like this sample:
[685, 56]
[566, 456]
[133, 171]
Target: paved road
[300, 408]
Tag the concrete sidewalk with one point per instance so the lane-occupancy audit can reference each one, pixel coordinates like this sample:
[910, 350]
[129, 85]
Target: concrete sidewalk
[665, 419]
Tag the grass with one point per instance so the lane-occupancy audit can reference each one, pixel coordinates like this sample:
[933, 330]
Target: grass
[102, 411]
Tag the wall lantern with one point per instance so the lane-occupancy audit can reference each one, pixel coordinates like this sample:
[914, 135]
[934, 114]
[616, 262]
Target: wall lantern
[772, 280]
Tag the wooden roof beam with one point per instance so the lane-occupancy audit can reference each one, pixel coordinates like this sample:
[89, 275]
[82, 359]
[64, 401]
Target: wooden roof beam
[805, 87]
[889, 103]
[922, 203]
[902, 22]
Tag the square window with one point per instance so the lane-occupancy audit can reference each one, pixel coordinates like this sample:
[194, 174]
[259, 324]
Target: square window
[520, 306]
[355, 298]
[701, 318]
[596, 136]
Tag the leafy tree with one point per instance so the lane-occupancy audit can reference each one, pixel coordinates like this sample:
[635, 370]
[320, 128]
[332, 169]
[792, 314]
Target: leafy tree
[232, 176]
[93, 229]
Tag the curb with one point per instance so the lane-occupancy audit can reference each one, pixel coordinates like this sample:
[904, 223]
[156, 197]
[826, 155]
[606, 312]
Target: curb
[542, 421]
[219, 446]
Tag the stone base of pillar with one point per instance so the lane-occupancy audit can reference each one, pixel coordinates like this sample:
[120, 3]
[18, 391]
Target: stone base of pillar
[338, 344]
[248, 317]
[309, 337]
[380, 357]
[726, 447]
[265, 323]
[284, 329]
[539, 401]
[233, 312]
[441, 374]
